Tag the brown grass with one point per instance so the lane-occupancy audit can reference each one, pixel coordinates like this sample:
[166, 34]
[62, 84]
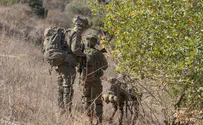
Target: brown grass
[27, 91]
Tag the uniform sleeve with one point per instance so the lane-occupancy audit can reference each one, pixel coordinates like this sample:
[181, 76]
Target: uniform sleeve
[104, 62]
[76, 45]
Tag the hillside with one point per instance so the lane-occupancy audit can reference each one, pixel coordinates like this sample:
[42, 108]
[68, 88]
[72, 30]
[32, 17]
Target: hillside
[28, 91]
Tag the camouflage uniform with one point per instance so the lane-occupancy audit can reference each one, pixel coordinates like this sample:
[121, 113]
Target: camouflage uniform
[66, 72]
[92, 87]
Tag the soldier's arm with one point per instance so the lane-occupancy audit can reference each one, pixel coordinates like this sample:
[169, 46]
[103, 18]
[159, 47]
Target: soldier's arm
[76, 45]
[104, 62]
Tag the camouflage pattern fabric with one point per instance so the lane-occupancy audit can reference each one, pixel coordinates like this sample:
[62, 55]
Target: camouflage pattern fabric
[92, 98]
[95, 64]
[66, 72]
[77, 46]
[54, 52]
[66, 78]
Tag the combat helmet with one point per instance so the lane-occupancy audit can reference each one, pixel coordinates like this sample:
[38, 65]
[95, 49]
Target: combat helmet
[91, 37]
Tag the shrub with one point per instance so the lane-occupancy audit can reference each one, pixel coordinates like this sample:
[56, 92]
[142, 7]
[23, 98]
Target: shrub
[97, 21]
[37, 7]
[58, 18]
[81, 9]
[159, 40]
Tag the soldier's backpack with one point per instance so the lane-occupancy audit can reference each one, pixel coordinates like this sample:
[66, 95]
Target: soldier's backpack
[54, 43]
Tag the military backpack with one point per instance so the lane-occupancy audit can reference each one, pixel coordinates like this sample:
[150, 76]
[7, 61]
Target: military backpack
[55, 46]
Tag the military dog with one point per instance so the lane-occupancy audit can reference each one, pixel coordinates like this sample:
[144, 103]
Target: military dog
[122, 96]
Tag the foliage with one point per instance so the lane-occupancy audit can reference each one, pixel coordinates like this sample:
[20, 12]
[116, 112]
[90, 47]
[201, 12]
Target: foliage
[79, 8]
[159, 40]
[97, 21]
[82, 7]
[37, 7]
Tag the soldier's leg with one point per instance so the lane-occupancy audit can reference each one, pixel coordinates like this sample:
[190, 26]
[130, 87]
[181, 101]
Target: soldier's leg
[99, 111]
[121, 107]
[68, 81]
[96, 94]
[60, 90]
[67, 96]
[87, 101]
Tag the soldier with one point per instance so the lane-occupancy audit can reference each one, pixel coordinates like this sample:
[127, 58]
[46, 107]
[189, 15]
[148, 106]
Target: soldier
[93, 71]
[66, 72]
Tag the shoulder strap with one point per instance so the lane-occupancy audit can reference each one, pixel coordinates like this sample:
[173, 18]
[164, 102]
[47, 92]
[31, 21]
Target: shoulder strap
[70, 33]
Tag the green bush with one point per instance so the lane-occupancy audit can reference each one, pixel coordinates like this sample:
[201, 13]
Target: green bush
[37, 7]
[97, 21]
[81, 9]
[159, 40]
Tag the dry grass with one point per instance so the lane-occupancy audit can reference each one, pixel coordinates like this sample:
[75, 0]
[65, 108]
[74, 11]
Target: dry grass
[62, 19]
[27, 91]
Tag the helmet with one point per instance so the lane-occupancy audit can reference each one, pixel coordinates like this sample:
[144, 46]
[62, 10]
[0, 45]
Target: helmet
[81, 21]
[91, 37]
[91, 33]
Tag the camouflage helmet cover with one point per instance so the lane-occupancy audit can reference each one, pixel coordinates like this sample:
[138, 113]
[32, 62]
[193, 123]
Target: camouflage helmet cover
[81, 21]
[91, 36]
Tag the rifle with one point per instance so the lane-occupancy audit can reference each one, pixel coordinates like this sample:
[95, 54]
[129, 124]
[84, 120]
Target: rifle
[82, 61]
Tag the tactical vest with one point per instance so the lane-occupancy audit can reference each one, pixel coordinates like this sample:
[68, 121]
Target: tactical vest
[93, 66]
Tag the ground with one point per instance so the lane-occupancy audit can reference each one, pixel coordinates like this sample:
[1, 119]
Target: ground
[28, 91]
